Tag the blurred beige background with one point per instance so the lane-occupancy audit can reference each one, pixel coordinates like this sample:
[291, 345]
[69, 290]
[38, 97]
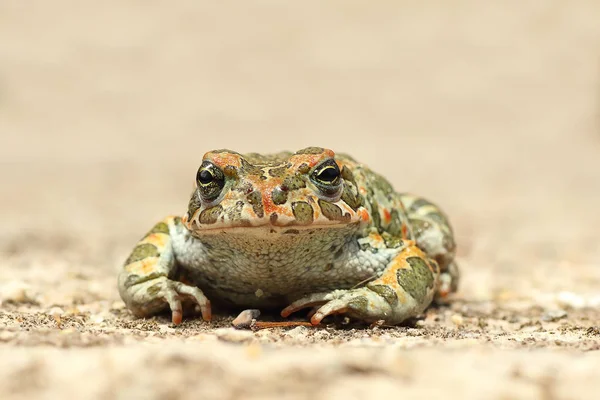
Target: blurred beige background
[490, 108]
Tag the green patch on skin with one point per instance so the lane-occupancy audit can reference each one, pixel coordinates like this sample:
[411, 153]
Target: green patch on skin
[177, 221]
[418, 204]
[386, 292]
[224, 151]
[135, 279]
[294, 182]
[419, 226]
[142, 251]
[380, 184]
[154, 289]
[360, 304]
[161, 227]
[279, 171]
[438, 217]
[303, 212]
[375, 213]
[235, 213]
[304, 168]
[392, 242]
[311, 150]
[255, 199]
[279, 196]
[350, 195]
[417, 280]
[395, 226]
[211, 215]
[193, 205]
[230, 171]
[249, 169]
[332, 211]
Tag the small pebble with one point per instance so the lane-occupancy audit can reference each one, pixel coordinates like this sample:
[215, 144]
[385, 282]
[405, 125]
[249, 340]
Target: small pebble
[457, 319]
[245, 318]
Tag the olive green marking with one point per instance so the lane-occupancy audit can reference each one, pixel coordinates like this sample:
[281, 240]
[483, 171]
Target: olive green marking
[386, 292]
[416, 280]
[304, 168]
[230, 171]
[135, 279]
[279, 171]
[161, 227]
[359, 304]
[154, 289]
[303, 212]
[393, 242]
[211, 215]
[225, 151]
[279, 196]
[311, 150]
[255, 199]
[419, 226]
[350, 196]
[420, 203]
[294, 182]
[193, 205]
[381, 184]
[177, 221]
[142, 251]
[375, 216]
[235, 213]
[250, 169]
[395, 226]
[332, 211]
[438, 217]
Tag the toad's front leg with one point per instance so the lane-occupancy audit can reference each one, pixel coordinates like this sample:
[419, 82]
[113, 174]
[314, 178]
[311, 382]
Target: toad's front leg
[145, 282]
[406, 287]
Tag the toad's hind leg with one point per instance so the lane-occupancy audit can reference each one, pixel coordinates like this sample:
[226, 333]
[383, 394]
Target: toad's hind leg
[406, 287]
[146, 284]
[432, 231]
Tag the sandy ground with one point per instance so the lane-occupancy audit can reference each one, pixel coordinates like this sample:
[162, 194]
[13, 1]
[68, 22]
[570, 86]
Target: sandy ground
[490, 108]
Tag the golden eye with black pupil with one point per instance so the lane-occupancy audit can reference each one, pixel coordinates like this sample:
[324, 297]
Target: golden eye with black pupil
[327, 177]
[210, 181]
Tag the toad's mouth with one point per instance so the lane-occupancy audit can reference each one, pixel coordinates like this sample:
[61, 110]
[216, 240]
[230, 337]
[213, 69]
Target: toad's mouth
[265, 229]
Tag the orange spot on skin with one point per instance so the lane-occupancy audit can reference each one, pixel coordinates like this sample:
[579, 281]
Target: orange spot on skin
[157, 239]
[376, 239]
[364, 215]
[404, 230]
[387, 216]
[142, 267]
[223, 159]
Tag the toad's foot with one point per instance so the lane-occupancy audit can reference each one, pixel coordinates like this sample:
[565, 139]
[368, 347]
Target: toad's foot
[361, 303]
[144, 282]
[154, 295]
[405, 288]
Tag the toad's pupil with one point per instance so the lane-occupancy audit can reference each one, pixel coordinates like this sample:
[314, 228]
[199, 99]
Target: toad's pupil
[329, 174]
[205, 177]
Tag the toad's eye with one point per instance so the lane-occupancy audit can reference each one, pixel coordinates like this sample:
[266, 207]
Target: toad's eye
[210, 181]
[327, 177]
